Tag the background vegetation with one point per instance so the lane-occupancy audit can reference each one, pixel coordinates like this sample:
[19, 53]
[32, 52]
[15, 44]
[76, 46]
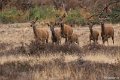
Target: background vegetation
[78, 10]
[21, 58]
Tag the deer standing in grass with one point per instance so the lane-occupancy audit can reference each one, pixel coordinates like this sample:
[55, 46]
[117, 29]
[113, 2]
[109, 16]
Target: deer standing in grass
[106, 32]
[41, 35]
[93, 34]
[66, 30]
[56, 34]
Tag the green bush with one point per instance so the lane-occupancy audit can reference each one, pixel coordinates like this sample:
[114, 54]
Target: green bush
[7, 15]
[42, 12]
[13, 15]
[47, 12]
[115, 16]
[74, 17]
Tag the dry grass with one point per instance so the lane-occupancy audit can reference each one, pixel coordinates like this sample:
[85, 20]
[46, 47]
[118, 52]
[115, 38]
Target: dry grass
[23, 59]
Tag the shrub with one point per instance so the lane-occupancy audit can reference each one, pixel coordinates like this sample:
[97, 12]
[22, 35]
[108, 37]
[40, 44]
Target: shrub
[74, 17]
[42, 12]
[115, 16]
[13, 15]
[8, 15]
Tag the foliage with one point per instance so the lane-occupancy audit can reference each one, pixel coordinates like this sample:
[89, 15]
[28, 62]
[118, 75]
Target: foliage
[13, 15]
[115, 16]
[42, 12]
[74, 17]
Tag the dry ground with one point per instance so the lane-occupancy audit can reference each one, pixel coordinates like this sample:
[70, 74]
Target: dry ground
[21, 59]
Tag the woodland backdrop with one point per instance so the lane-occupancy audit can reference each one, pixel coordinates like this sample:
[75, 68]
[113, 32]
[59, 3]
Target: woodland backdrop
[78, 11]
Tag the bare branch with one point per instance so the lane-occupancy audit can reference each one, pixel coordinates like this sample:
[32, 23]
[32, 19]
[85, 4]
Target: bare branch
[104, 9]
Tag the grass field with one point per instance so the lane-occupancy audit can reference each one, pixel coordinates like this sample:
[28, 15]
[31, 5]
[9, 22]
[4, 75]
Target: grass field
[20, 59]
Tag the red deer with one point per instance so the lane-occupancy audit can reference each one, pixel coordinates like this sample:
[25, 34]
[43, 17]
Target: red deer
[66, 30]
[41, 35]
[56, 34]
[93, 34]
[106, 32]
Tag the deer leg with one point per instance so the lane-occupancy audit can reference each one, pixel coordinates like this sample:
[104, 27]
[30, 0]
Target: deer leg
[107, 42]
[46, 40]
[90, 41]
[113, 39]
[52, 42]
[95, 41]
[57, 42]
[103, 40]
[65, 40]
[77, 42]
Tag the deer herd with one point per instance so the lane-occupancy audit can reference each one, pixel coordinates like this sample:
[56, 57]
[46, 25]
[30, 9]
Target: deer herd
[66, 31]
